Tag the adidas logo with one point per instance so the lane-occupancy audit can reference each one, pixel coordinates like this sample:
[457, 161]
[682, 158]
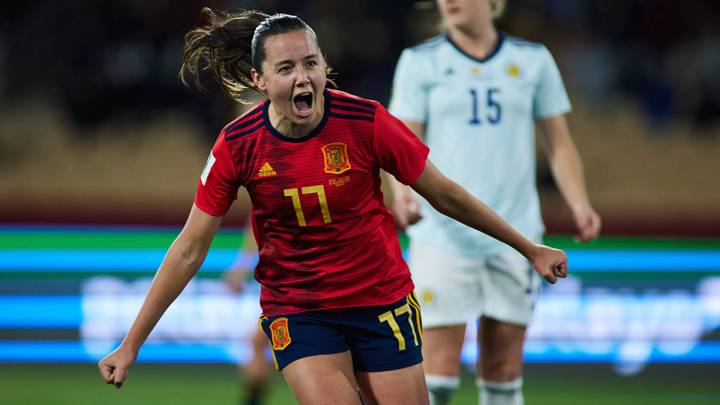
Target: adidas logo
[267, 170]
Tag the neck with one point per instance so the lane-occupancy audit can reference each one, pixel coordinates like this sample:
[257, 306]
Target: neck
[287, 127]
[477, 41]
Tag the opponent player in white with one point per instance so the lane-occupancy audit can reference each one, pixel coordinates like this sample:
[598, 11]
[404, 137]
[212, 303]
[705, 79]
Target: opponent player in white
[473, 94]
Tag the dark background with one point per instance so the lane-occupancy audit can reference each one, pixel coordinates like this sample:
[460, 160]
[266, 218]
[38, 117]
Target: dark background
[94, 118]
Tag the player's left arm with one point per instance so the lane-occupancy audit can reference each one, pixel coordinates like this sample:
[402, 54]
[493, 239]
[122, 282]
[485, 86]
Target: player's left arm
[453, 200]
[567, 170]
[403, 204]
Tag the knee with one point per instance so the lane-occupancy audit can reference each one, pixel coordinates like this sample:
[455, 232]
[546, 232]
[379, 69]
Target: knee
[258, 371]
[442, 362]
[447, 357]
[501, 370]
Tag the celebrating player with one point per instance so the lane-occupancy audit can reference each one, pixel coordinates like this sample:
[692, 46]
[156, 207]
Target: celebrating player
[337, 298]
[473, 94]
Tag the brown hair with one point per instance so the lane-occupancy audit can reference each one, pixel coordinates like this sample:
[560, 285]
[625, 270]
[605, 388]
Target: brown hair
[497, 8]
[231, 45]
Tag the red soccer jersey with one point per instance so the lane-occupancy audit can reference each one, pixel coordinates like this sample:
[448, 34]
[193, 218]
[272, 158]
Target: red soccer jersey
[325, 238]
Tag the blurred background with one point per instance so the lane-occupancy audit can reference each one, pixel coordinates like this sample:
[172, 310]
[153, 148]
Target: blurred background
[101, 148]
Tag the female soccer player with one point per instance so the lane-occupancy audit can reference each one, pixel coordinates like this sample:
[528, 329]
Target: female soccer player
[337, 299]
[473, 95]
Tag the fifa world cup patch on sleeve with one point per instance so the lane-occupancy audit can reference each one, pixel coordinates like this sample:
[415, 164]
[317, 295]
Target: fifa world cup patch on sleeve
[208, 167]
[280, 334]
[336, 158]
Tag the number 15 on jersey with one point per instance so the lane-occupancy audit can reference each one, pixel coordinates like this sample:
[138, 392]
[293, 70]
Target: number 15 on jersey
[490, 111]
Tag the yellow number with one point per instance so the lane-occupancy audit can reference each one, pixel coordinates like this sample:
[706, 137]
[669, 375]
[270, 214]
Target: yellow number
[295, 196]
[405, 309]
[320, 190]
[293, 193]
[390, 319]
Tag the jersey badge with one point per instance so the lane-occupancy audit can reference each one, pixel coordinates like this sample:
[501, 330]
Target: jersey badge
[476, 70]
[428, 296]
[513, 70]
[336, 158]
[280, 334]
[267, 170]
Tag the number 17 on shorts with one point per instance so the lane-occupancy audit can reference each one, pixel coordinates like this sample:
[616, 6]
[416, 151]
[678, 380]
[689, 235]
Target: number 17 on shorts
[379, 338]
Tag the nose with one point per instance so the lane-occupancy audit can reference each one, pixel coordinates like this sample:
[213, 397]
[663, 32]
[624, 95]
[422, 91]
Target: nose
[302, 76]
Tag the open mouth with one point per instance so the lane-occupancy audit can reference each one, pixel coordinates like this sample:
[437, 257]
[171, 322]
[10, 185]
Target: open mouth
[303, 102]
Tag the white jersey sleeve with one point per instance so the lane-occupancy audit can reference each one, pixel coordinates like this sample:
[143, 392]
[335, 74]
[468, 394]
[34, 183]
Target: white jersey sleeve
[410, 88]
[550, 99]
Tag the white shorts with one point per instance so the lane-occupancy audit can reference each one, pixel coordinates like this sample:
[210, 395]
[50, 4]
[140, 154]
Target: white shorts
[454, 290]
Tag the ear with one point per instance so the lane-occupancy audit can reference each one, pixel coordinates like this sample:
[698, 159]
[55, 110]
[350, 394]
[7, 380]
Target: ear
[258, 80]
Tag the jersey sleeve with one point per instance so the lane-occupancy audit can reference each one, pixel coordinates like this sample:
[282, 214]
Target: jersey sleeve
[409, 98]
[398, 150]
[218, 184]
[550, 96]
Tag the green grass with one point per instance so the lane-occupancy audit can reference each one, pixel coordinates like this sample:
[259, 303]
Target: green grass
[148, 238]
[67, 238]
[79, 384]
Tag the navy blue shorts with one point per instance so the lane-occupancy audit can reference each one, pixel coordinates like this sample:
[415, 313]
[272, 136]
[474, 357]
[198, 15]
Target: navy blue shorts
[380, 338]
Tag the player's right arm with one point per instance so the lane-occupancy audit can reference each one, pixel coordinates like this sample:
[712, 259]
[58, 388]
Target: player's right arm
[217, 189]
[181, 263]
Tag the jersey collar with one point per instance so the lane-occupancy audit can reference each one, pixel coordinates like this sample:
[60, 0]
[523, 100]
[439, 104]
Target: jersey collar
[501, 40]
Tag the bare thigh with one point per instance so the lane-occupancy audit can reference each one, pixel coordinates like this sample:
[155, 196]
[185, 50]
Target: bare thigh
[441, 349]
[395, 387]
[326, 379]
[501, 350]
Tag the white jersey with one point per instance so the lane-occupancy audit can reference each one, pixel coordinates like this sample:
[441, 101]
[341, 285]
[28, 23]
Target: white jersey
[479, 119]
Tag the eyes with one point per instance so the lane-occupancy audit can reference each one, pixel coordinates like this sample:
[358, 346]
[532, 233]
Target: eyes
[287, 68]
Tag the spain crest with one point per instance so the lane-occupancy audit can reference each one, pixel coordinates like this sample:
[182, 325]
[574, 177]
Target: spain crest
[280, 334]
[336, 158]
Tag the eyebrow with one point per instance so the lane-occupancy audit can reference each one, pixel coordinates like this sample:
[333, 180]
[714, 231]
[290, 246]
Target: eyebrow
[285, 61]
